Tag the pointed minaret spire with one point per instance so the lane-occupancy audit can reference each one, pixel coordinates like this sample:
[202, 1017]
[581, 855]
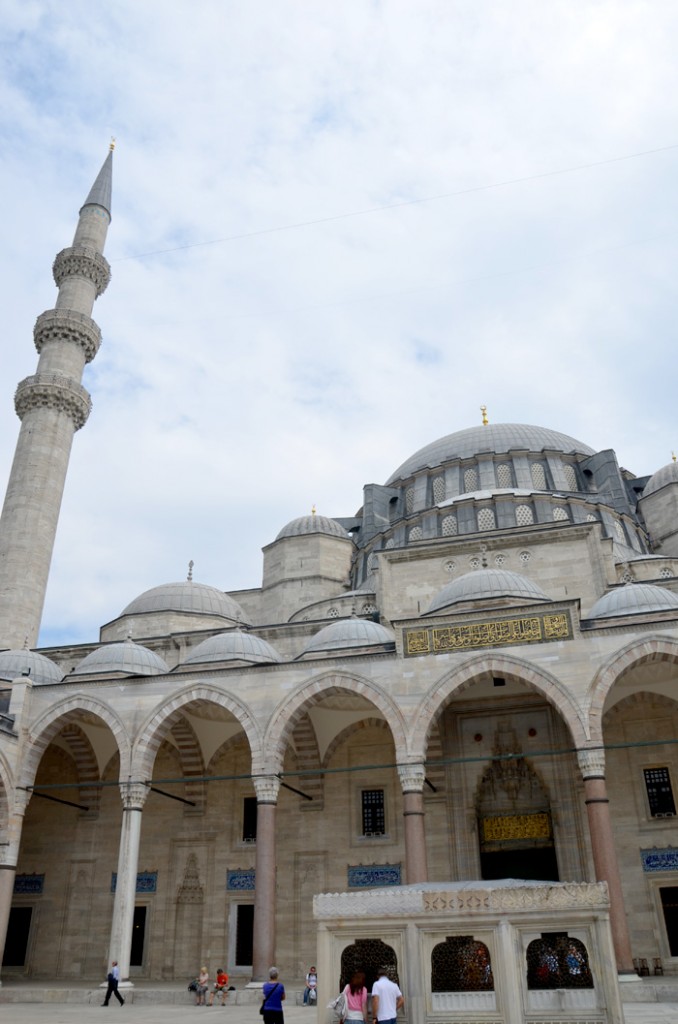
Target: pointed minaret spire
[51, 405]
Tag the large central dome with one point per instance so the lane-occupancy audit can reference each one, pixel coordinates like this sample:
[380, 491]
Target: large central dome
[493, 437]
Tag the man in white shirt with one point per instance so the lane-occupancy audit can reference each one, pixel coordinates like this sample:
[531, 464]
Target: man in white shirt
[387, 999]
[113, 979]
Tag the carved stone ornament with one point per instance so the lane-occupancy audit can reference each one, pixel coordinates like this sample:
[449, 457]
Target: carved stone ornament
[82, 261]
[592, 763]
[53, 391]
[267, 788]
[411, 777]
[66, 325]
[190, 890]
[133, 795]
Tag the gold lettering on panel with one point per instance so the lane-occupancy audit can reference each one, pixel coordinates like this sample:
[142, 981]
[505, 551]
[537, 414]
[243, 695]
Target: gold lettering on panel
[518, 826]
[495, 633]
[418, 641]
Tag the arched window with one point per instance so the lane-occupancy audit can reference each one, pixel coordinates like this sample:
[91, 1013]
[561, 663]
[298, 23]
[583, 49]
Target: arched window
[470, 479]
[557, 961]
[538, 476]
[524, 515]
[461, 964]
[486, 520]
[560, 514]
[570, 474]
[438, 488]
[449, 526]
[409, 500]
[416, 533]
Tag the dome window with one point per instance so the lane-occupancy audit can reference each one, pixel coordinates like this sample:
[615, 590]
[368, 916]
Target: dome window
[504, 475]
[538, 476]
[560, 514]
[590, 518]
[416, 533]
[486, 520]
[570, 475]
[619, 530]
[449, 526]
[524, 515]
[438, 489]
[470, 479]
[409, 501]
[665, 573]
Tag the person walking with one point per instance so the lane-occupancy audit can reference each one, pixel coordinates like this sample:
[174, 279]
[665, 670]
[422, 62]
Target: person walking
[387, 999]
[113, 979]
[274, 994]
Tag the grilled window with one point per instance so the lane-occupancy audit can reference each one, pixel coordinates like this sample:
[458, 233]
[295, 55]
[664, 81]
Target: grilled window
[374, 822]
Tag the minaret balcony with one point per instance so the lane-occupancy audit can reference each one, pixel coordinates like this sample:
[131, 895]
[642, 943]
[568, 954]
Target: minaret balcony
[53, 391]
[81, 261]
[67, 325]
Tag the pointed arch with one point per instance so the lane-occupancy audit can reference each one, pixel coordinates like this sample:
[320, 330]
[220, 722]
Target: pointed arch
[639, 652]
[162, 719]
[286, 716]
[65, 711]
[465, 675]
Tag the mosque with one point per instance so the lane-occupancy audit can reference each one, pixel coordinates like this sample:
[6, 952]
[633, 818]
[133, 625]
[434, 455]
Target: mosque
[475, 677]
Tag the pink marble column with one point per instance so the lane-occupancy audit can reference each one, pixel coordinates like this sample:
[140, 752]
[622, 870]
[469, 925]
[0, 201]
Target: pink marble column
[263, 952]
[592, 765]
[412, 783]
[9, 855]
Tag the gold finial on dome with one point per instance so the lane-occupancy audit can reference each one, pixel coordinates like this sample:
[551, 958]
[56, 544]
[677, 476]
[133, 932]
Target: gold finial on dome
[189, 578]
[313, 510]
[483, 409]
[112, 145]
[673, 456]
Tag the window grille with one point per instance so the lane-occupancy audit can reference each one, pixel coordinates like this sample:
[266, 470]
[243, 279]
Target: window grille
[470, 479]
[373, 812]
[538, 476]
[449, 526]
[504, 476]
[486, 520]
[439, 488]
[524, 515]
[659, 792]
[249, 819]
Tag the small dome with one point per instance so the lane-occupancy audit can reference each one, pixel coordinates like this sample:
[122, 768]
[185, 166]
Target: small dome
[234, 646]
[498, 438]
[37, 667]
[347, 633]
[662, 478]
[188, 596]
[127, 657]
[484, 584]
[305, 525]
[634, 599]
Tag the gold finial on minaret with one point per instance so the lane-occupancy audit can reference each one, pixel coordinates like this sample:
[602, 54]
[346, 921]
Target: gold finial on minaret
[112, 145]
[483, 409]
[673, 456]
[189, 578]
[313, 510]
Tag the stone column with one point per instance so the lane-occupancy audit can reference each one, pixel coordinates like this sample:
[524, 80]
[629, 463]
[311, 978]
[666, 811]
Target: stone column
[263, 953]
[133, 796]
[9, 855]
[412, 782]
[592, 766]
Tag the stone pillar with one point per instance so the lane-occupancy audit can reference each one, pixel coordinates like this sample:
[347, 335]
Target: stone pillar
[592, 766]
[9, 856]
[412, 782]
[133, 796]
[263, 953]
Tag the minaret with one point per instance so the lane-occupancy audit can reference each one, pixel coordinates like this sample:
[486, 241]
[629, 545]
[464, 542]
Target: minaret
[51, 405]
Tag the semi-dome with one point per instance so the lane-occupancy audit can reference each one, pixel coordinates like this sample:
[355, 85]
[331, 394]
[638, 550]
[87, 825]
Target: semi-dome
[306, 525]
[634, 599]
[346, 633]
[37, 667]
[126, 657]
[234, 646]
[664, 476]
[196, 598]
[486, 584]
[498, 438]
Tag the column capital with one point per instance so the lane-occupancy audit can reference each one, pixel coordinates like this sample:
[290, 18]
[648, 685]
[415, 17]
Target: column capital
[267, 788]
[133, 795]
[592, 763]
[412, 777]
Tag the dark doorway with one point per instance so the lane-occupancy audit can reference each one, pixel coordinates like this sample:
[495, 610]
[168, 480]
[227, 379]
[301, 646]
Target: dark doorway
[18, 930]
[670, 907]
[243, 934]
[136, 956]
[536, 864]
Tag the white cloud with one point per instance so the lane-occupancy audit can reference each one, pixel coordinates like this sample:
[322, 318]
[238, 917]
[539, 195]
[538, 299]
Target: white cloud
[243, 381]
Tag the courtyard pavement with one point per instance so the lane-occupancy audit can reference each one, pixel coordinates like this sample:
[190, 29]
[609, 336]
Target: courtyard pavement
[82, 1013]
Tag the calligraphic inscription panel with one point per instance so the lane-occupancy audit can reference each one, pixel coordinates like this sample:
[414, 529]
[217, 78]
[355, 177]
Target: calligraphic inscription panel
[468, 636]
[516, 826]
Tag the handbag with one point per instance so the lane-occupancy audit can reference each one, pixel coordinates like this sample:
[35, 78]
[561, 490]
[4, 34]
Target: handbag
[263, 1005]
[339, 1005]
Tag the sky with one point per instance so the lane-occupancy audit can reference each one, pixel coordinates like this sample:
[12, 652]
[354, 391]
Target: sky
[338, 230]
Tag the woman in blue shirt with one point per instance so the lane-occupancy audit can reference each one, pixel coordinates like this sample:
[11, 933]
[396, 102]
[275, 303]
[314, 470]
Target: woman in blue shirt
[274, 993]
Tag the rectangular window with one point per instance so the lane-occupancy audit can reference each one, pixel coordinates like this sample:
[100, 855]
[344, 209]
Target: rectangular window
[659, 792]
[249, 819]
[374, 822]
